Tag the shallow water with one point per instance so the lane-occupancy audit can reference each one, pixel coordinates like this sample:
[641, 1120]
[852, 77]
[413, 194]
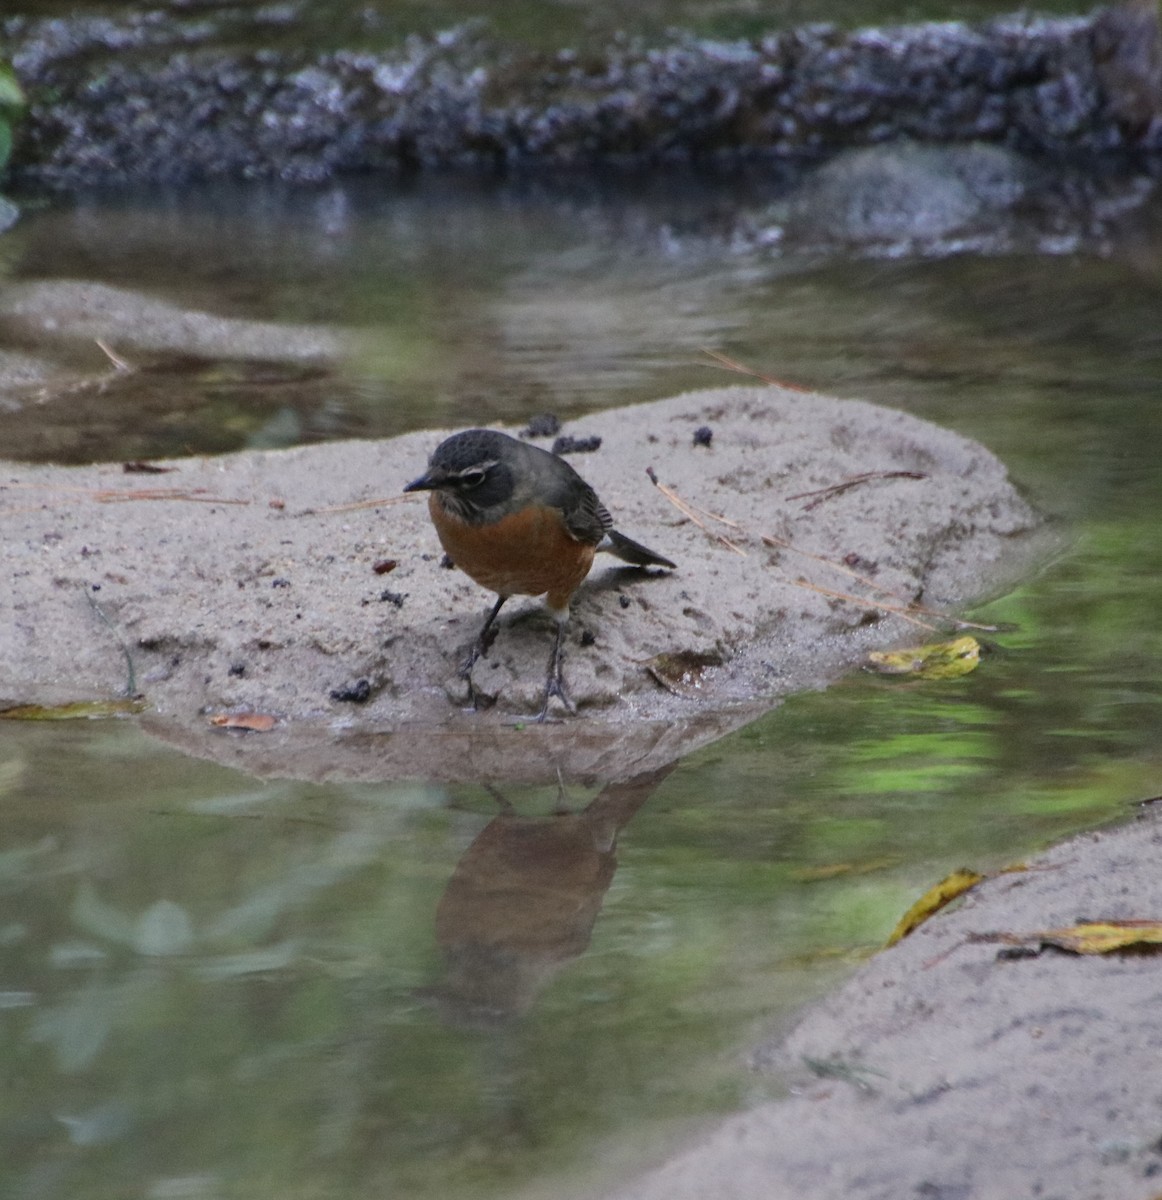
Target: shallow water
[211, 986]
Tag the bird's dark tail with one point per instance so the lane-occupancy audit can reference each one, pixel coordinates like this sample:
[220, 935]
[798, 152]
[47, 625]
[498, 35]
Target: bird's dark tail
[633, 552]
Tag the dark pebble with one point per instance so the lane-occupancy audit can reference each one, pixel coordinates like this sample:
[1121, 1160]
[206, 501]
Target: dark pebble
[572, 445]
[358, 692]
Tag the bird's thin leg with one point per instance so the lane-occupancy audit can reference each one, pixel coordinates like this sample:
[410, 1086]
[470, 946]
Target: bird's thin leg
[554, 684]
[480, 646]
[502, 801]
[561, 808]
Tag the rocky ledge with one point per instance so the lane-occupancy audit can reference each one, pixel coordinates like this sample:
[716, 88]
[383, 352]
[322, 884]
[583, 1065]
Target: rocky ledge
[154, 96]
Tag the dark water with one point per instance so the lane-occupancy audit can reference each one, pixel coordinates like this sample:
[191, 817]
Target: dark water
[215, 987]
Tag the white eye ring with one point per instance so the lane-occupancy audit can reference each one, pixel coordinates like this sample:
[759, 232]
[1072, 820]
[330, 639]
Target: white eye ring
[471, 478]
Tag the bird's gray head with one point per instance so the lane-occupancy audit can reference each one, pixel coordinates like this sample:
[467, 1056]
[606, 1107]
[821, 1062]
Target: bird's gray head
[472, 472]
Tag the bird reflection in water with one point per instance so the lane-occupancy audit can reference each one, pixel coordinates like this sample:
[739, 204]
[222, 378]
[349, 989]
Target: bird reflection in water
[523, 900]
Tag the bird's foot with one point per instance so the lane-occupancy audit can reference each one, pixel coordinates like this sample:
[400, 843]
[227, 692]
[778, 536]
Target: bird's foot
[554, 684]
[555, 687]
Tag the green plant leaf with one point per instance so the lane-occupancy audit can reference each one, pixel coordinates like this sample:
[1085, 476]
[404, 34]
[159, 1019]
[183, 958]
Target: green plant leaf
[11, 93]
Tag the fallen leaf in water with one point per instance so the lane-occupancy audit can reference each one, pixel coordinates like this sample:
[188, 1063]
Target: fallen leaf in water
[938, 660]
[1088, 937]
[834, 870]
[75, 710]
[815, 874]
[258, 722]
[934, 900]
[682, 671]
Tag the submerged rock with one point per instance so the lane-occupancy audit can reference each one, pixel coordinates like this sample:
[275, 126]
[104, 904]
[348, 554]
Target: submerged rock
[80, 310]
[909, 191]
[906, 198]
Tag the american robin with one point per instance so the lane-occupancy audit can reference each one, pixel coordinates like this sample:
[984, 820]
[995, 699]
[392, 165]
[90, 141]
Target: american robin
[520, 521]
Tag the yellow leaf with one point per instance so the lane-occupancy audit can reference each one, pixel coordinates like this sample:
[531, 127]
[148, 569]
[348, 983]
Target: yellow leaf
[833, 870]
[77, 710]
[1102, 937]
[813, 874]
[256, 722]
[934, 900]
[937, 660]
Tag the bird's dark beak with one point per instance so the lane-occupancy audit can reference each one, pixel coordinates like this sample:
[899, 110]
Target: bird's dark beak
[432, 478]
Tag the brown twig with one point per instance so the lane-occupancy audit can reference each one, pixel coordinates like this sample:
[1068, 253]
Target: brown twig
[770, 539]
[691, 514]
[731, 364]
[97, 382]
[119, 495]
[902, 606]
[779, 543]
[693, 509]
[119, 363]
[24, 508]
[837, 489]
[34, 485]
[904, 611]
[356, 505]
[196, 496]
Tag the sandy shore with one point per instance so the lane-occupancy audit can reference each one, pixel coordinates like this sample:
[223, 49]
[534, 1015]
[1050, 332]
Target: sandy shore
[962, 1075]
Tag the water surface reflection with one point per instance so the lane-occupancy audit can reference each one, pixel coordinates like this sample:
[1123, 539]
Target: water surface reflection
[523, 900]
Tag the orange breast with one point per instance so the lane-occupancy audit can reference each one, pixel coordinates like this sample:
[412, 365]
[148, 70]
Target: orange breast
[529, 553]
